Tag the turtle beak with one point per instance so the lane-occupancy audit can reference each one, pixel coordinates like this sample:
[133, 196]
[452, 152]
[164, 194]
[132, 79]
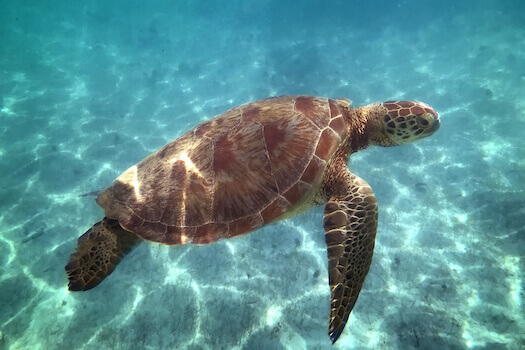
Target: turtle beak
[435, 122]
[435, 126]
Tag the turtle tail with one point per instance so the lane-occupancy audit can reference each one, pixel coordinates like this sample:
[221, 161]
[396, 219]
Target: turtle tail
[98, 252]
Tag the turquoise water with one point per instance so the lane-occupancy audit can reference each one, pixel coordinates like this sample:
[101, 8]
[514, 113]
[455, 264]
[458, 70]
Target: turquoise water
[87, 90]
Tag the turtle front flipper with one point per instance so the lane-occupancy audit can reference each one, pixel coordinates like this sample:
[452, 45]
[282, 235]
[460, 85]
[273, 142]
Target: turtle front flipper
[98, 252]
[350, 223]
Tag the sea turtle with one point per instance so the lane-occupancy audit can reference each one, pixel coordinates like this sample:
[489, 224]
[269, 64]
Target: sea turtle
[251, 166]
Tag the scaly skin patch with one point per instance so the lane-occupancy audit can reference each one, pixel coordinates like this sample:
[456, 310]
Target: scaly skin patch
[98, 252]
[408, 121]
[350, 223]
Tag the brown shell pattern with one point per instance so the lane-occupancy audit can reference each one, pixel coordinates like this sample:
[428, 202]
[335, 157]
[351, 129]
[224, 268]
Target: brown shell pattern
[231, 174]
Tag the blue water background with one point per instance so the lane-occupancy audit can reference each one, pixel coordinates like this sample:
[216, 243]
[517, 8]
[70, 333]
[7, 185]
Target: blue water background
[87, 89]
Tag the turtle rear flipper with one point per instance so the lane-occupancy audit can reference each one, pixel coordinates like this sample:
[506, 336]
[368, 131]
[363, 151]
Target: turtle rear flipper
[350, 223]
[98, 252]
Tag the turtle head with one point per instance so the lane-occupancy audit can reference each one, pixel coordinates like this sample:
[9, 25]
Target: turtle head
[402, 122]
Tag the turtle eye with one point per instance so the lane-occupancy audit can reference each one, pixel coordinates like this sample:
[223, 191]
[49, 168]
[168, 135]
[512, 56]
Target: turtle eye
[423, 120]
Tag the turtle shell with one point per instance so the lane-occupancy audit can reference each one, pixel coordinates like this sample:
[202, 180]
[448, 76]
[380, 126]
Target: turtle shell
[231, 174]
